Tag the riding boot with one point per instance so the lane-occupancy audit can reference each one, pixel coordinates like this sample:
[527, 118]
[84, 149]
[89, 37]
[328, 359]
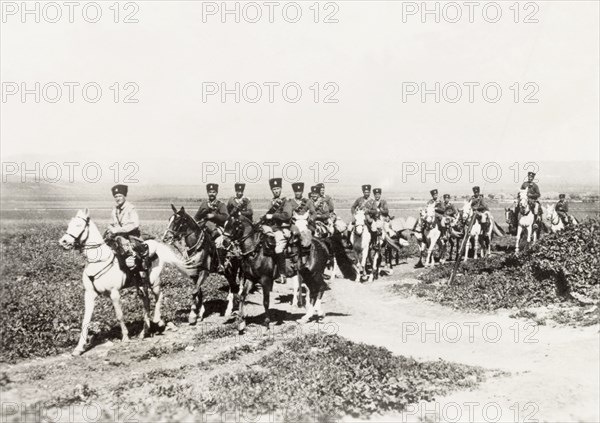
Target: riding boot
[280, 268]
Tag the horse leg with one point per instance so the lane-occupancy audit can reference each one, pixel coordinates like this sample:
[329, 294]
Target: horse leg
[197, 302]
[519, 231]
[146, 307]
[267, 285]
[115, 296]
[90, 301]
[157, 320]
[310, 308]
[231, 276]
[467, 246]
[243, 293]
[296, 291]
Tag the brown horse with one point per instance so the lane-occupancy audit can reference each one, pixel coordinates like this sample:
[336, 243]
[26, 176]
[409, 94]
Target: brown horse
[258, 266]
[199, 253]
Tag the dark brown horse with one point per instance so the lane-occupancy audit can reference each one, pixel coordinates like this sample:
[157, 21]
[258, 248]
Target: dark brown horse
[199, 253]
[258, 266]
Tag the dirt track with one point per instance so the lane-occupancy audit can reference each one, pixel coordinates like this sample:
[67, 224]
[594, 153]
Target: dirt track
[551, 372]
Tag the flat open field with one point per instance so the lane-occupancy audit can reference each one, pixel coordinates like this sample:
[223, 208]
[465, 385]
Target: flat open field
[386, 351]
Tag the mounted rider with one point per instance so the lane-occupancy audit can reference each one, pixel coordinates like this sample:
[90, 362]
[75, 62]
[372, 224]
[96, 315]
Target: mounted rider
[319, 210]
[125, 223]
[277, 223]
[478, 204]
[562, 209]
[381, 205]
[533, 191]
[363, 203]
[438, 206]
[212, 212]
[450, 211]
[240, 203]
[326, 198]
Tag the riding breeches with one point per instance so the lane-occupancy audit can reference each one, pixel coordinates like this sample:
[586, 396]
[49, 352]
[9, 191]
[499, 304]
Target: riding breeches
[280, 235]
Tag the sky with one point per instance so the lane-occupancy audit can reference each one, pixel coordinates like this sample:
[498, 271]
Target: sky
[367, 65]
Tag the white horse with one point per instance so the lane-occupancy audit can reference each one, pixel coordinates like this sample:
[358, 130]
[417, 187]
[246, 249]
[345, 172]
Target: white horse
[556, 223]
[360, 238]
[430, 235]
[301, 222]
[526, 219]
[102, 274]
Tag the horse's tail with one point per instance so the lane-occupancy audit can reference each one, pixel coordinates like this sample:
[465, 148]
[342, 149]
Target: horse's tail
[391, 242]
[342, 259]
[168, 256]
[497, 229]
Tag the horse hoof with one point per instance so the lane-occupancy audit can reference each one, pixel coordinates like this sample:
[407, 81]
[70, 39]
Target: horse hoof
[142, 335]
[160, 326]
[125, 339]
[304, 320]
[77, 352]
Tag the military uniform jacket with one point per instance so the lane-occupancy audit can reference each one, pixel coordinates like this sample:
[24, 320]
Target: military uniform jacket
[282, 211]
[319, 210]
[382, 207]
[439, 207]
[478, 204]
[533, 191]
[362, 203]
[243, 205]
[217, 207]
[299, 206]
[562, 206]
[126, 219]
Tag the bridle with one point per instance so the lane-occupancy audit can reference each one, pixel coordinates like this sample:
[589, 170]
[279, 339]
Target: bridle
[78, 242]
[177, 234]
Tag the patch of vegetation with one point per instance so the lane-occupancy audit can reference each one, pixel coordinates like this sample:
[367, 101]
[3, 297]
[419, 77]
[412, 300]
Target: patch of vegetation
[332, 376]
[552, 271]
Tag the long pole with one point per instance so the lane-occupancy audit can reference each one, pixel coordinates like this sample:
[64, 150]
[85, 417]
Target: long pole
[462, 249]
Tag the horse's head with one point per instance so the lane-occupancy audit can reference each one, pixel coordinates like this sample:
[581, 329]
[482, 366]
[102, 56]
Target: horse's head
[339, 225]
[234, 226]
[359, 221]
[179, 223]
[522, 198]
[466, 211]
[77, 231]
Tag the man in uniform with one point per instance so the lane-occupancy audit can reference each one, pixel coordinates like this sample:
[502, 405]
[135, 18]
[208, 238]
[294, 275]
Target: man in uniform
[380, 205]
[125, 222]
[277, 221]
[450, 212]
[439, 207]
[363, 203]
[327, 198]
[240, 203]
[318, 205]
[477, 203]
[562, 209]
[214, 213]
[533, 191]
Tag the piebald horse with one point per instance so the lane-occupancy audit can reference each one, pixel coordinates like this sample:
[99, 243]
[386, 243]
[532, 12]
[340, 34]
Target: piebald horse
[556, 223]
[481, 231]
[102, 274]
